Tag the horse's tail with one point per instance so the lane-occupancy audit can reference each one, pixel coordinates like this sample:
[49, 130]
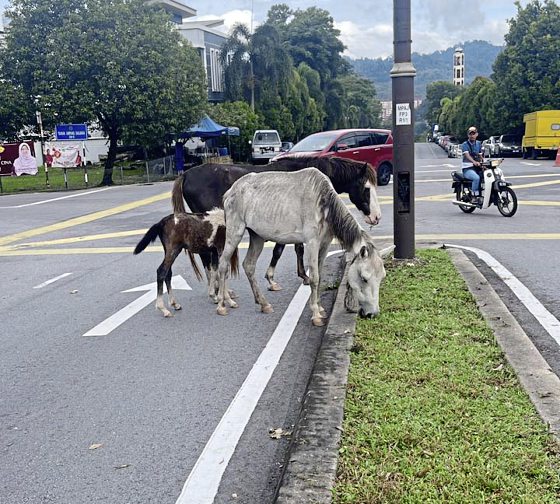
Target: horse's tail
[149, 237]
[194, 265]
[177, 195]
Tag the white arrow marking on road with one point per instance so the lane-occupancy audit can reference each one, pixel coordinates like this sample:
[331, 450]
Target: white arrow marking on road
[115, 320]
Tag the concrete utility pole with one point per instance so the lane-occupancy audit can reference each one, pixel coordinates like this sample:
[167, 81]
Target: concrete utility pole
[403, 74]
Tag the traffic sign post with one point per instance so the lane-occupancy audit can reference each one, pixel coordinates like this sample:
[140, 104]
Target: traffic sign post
[71, 132]
[402, 75]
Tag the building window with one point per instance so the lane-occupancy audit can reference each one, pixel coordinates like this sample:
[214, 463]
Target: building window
[216, 72]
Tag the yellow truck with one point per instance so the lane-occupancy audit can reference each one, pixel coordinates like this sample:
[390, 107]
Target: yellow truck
[542, 134]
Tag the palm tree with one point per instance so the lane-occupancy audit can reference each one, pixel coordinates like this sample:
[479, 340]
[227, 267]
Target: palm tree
[236, 57]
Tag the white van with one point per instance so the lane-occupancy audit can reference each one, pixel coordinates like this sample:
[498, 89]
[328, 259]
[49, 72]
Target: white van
[265, 145]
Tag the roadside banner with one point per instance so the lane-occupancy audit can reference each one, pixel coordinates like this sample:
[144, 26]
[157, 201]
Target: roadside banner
[17, 159]
[63, 155]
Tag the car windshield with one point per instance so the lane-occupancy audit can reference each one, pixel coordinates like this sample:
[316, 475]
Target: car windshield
[511, 139]
[266, 138]
[315, 142]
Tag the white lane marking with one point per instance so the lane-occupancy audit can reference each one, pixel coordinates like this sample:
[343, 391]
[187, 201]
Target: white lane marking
[57, 199]
[115, 320]
[204, 479]
[530, 164]
[52, 280]
[548, 321]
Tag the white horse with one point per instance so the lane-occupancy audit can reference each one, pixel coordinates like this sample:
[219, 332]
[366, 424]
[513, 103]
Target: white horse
[299, 207]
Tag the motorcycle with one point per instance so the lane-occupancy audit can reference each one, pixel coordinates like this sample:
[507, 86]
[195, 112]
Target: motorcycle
[493, 187]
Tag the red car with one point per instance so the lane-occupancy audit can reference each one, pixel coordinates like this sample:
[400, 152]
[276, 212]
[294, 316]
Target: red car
[372, 145]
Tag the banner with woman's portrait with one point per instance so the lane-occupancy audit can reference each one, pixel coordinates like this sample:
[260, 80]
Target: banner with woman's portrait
[18, 159]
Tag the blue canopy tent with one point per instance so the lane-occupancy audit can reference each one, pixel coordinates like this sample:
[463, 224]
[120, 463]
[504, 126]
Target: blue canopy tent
[208, 128]
[205, 129]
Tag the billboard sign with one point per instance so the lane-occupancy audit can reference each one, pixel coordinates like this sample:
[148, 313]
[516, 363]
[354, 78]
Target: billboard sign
[63, 155]
[17, 159]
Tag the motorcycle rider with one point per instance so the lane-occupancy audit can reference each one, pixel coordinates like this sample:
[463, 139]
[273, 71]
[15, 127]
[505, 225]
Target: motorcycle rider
[472, 158]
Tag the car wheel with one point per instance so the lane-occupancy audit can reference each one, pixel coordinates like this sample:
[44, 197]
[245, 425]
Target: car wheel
[384, 174]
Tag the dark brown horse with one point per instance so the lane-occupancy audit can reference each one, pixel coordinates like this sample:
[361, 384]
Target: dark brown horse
[200, 233]
[203, 188]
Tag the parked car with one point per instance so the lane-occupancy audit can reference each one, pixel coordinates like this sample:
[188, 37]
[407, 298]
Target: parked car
[265, 145]
[451, 142]
[372, 145]
[489, 146]
[454, 151]
[509, 145]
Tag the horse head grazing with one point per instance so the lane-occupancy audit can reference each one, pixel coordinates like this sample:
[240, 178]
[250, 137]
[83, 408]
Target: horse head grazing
[364, 277]
[359, 180]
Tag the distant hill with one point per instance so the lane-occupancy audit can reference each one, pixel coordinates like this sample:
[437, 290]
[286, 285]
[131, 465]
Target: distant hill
[437, 66]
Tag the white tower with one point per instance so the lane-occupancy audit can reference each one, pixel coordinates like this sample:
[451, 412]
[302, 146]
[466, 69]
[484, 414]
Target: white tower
[459, 67]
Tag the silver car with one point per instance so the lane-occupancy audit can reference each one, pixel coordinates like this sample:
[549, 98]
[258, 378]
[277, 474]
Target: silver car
[490, 147]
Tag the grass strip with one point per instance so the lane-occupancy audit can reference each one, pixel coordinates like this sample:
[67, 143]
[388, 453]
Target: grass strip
[74, 176]
[433, 411]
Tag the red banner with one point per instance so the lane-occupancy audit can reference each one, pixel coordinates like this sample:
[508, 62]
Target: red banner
[17, 159]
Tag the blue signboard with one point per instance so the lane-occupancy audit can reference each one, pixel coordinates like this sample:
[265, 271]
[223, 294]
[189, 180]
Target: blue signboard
[71, 131]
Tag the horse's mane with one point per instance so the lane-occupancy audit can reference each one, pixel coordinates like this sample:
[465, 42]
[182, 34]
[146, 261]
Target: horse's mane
[341, 222]
[340, 170]
[343, 170]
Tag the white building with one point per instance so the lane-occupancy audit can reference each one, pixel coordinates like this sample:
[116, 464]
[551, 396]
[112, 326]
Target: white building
[459, 67]
[205, 38]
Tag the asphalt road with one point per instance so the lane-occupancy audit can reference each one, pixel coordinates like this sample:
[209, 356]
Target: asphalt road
[124, 417]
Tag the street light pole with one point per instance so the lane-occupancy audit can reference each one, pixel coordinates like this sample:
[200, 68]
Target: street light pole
[402, 75]
[42, 140]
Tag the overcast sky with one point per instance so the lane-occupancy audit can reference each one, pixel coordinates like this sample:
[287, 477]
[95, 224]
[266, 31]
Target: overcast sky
[367, 26]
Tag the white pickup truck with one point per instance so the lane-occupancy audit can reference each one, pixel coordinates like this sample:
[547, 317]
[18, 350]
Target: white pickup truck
[265, 145]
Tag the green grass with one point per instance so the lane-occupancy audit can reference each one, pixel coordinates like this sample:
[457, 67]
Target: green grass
[75, 178]
[433, 412]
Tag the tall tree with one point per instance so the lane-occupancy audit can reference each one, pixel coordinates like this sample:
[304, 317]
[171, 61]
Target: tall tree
[363, 109]
[120, 63]
[435, 92]
[15, 110]
[527, 71]
[236, 57]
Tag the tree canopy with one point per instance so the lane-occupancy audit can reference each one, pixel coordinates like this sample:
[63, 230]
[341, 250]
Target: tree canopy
[119, 63]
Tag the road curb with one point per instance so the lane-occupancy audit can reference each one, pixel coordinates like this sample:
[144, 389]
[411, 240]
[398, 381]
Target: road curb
[533, 372]
[311, 468]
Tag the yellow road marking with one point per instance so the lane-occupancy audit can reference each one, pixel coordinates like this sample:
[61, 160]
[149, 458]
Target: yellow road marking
[13, 251]
[536, 184]
[78, 239]
[5, 240]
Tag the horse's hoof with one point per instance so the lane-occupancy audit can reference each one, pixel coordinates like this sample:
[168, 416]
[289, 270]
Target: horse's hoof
[323, 313]
[318, 322]
[221, 310]
[232, 294]
[167, 314]
[267, 309]
[306, 281]
[233, 304]
[177, 306]
[214, 299]
[273, 286]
